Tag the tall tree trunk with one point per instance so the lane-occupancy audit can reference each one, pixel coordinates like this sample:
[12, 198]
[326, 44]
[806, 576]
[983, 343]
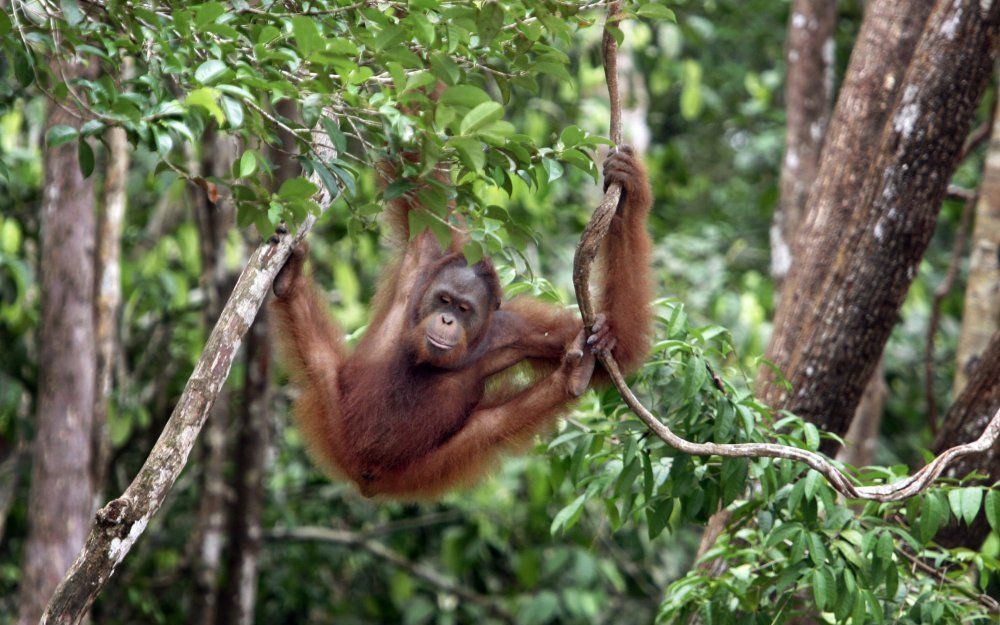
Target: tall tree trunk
[857, 261]
[61, 500]
[809, 52]
[964, 422]
[883, 49]
[981, 313]
[215, 217]
[879, 59]
[861, 437]
[239, 595]
[108, 297]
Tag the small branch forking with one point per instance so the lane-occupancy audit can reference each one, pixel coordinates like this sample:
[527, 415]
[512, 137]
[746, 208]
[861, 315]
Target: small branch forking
[586, 252]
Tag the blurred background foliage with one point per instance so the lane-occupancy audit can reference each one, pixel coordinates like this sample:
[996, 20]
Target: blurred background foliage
[708, 114]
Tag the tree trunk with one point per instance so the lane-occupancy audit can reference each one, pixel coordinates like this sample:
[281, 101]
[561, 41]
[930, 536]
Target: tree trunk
[966, 420]
[861, 438]
[239, 595]
[215, 217]
[856, 261]
[809, 52]
[61, 501]
[883, 49]
[879, 59]
[981, 313]
[108, 298]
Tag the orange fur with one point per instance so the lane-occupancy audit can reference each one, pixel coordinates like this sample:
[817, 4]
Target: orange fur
[398, 425]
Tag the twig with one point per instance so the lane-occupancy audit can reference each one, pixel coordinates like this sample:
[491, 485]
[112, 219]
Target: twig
[977, 136]
[377, 549]
[586, 251]
[939, 294]
[987, 601]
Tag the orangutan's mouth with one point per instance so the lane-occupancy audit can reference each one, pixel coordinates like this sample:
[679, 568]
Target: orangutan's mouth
[439, 343]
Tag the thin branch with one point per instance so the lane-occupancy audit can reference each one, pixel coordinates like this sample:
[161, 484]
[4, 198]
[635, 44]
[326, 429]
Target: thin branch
[377, 549]
[939, 294]
[977, 136]
[586, 252]
[987, 601]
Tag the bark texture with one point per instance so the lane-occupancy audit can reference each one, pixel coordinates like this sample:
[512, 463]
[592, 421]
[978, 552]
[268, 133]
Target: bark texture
[966, 419]
[809, 53]
[981, 312]
[857, 260]
[61, 499]
[215, 217]
[861, 438]
[122, 521]
[239, 594]
[108, 296]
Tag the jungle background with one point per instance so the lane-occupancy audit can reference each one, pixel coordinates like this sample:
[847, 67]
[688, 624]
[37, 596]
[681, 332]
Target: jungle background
[171, 154]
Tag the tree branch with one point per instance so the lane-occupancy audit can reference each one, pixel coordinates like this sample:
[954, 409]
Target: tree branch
[123, 520]
[586, 251]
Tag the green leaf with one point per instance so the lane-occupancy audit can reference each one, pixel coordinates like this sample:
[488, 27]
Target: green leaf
[267, 35]
[297, 189]
[470, 152]
[60, 134]
[812, 435]
[307, 35]
[481, 115]
[955, 501]
[233, 111]
[993, 509]
[656, 12]
[553, 169]
[568, 516]
[344, 173]
[24, 68]
[85, 156]
[248, 164]
[390, 36]
[326, 175]
[71, 12]
[571, 136]
[658, 516]
[473, 253]
[817, 552]
[445, 69]
[885, 546]
[207, 14]
[820, 590]
[336, 136]
[782, 533]
[5, 24]
[467, 96]
[206, 97]
[396, 189]
[210, 71]
[489, 21]
[972, 497]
